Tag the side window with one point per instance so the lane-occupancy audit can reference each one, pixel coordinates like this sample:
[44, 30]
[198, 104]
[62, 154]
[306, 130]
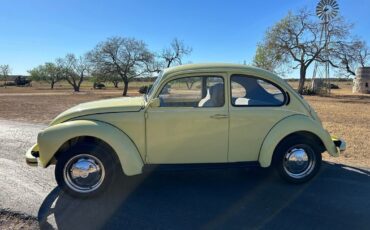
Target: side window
[252, 91]
[207, 91]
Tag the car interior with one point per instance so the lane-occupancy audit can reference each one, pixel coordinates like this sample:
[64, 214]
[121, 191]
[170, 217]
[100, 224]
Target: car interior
[210, 92]
[256, 92]
[201, 92]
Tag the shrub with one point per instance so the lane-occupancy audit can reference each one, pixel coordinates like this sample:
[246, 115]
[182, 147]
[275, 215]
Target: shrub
[334, 86]
[99, 85]
[144, 89]
[308, 91]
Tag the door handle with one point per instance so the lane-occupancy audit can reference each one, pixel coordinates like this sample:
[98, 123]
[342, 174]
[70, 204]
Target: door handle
[219, 116]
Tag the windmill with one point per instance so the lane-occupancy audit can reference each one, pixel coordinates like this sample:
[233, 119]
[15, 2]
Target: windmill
[326, 10]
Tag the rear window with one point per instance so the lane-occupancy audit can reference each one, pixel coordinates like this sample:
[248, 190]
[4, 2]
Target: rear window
[253, 91]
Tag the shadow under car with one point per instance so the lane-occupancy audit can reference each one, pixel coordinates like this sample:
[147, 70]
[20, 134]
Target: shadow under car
[338, 197]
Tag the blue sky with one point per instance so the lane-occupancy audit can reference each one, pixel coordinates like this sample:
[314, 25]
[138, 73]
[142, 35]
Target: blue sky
[36, 31]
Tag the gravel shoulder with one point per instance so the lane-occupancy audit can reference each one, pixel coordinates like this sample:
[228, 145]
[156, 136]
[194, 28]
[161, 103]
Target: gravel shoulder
[22, 187]
[12, 220]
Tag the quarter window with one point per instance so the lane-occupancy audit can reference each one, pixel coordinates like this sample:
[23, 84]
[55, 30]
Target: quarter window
[205, 91]
[253, 91]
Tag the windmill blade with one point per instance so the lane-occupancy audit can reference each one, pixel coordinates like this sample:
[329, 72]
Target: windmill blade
[327, 9]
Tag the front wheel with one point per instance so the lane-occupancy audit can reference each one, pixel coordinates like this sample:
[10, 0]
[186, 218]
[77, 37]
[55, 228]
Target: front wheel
[85, 170]
[297, 160]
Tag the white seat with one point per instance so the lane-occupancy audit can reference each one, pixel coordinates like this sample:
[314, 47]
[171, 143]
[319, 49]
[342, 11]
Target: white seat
[216, 96]
[206, 98]
[242, 101]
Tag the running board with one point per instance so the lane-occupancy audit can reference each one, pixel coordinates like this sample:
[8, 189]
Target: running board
[198, 166]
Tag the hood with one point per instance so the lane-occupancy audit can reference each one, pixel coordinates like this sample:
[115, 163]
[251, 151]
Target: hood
[114, 105]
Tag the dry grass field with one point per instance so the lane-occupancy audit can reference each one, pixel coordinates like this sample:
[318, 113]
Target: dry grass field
[344, 114]
[40, 104]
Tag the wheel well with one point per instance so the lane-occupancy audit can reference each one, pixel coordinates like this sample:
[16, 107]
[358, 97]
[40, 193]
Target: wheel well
[85, 139]
[308, 135]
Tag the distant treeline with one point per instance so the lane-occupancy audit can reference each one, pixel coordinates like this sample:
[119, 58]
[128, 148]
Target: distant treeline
[331, 79]
[115, 60]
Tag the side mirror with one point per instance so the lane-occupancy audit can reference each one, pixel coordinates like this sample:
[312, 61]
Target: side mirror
[154, 103]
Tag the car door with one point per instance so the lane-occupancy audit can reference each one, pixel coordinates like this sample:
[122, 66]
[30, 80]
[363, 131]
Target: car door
[191, 123]
[256, 105]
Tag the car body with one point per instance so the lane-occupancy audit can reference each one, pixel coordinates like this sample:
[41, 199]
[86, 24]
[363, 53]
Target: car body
[193, 114]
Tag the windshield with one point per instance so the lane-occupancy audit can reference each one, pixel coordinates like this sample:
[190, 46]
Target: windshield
[156, 82]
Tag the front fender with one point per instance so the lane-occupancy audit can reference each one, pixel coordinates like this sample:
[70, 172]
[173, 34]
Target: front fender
[289, 125]
[53, 137]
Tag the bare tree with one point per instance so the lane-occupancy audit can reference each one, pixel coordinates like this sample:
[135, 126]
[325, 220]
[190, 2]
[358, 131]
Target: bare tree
[175, 53]
[74, 69]
[106, 77]
[126, 57]
[4, 73]
[363, 54]
[115, 79]
[49, 72]
[348, 55]
[296, 38]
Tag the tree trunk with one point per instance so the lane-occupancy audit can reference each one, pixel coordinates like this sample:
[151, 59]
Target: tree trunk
[80, 81]
[76, 88]
[115, 83]
[52, 84]
[125, 88]
[302, 78]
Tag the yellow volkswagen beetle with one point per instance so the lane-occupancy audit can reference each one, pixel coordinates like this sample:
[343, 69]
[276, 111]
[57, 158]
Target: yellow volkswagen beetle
[205, 114]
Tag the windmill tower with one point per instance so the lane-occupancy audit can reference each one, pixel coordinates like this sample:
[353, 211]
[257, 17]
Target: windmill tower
[326, 10]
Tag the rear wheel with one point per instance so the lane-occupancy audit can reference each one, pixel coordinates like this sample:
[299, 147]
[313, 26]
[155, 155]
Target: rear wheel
[85, 169]
[297, 159]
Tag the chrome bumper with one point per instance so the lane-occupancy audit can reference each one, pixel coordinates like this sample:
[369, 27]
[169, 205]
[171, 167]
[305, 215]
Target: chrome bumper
[31, 156]
[340, 144]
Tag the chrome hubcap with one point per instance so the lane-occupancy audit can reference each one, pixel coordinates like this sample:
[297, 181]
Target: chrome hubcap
[84, 173]
[299, 161]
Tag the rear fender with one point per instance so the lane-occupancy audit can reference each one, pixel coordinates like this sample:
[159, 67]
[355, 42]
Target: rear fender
[289, 125]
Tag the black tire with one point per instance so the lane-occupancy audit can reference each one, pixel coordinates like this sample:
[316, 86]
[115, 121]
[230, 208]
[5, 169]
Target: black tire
[290, 161]
[70, 170]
